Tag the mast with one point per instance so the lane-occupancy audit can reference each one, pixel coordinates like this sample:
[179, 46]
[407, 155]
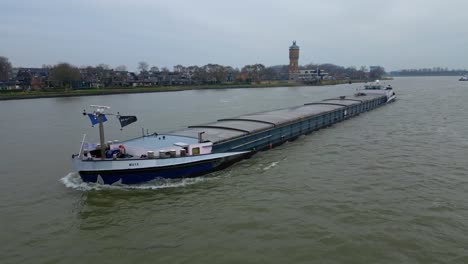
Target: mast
[99, 117]
[99, 113]
[101, 136]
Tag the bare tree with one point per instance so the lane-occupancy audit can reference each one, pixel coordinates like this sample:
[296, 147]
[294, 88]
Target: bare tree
[103, 66]
[5, 68]
[143, 66]
[197, 74]
[64, 75]
[254, 72]
[362, 72]
[154, 69]
[269, 74]
[121, 68]
[377, 73]
[179, 68]
[165, 75]
[220, 73]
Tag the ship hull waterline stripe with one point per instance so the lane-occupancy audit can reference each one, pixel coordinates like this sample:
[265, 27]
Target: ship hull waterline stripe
[148, 174]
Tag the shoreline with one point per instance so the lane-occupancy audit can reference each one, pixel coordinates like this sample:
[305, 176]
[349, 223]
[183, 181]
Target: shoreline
[21, 95]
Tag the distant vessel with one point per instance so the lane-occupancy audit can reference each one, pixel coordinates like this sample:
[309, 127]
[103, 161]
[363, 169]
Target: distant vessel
[464, 78]
[201, 149]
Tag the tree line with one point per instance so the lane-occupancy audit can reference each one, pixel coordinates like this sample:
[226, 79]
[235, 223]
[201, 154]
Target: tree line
[64, 75]
[435, 71]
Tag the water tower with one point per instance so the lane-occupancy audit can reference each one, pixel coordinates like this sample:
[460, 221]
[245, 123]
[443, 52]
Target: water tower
[293, 61]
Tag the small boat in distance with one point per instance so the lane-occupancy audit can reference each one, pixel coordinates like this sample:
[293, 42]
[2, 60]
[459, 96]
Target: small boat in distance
[464, 78]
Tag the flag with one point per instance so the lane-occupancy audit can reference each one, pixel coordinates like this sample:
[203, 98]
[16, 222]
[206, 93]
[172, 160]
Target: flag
[127, 120]
[95, 120]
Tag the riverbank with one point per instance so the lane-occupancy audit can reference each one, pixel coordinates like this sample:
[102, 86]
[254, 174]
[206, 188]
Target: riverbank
[50, 93]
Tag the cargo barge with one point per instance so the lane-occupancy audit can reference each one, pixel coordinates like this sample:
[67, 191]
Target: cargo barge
[200, 149]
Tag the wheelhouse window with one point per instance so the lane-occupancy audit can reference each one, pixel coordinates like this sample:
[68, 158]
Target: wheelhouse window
[196, 151]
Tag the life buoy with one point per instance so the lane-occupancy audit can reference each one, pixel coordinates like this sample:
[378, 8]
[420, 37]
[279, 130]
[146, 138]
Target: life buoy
[122, 149]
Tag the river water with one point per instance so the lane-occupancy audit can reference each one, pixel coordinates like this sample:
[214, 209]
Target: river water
[389, 186]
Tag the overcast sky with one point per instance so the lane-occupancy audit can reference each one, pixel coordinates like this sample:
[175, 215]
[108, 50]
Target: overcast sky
[395, 34]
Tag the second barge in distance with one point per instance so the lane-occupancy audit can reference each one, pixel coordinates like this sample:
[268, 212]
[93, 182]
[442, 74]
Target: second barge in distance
[201, 149]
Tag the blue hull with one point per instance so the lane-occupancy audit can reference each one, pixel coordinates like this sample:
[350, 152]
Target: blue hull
[136, 176]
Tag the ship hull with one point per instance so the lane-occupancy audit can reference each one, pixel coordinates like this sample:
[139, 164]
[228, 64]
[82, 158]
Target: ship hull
[149, 173]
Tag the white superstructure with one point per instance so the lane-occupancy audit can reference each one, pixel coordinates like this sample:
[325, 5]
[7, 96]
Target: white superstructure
[378, 88]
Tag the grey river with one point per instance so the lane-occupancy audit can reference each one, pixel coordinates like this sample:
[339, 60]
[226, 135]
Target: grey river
[389, 186]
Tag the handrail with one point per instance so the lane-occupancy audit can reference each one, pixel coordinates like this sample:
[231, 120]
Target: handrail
[247, 119]
[221, 127]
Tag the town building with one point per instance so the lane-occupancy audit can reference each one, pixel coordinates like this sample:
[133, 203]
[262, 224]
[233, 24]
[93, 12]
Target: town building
[32, 78]
[311, 76]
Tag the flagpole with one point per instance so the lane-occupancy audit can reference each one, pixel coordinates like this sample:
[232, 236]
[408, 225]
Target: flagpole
[81, 148]
[101, 118]
[101, 136]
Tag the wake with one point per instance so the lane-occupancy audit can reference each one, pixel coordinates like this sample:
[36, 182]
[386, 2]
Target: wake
[73, 181]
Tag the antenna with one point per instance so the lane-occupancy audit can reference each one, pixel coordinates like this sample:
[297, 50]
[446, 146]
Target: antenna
[100, 108]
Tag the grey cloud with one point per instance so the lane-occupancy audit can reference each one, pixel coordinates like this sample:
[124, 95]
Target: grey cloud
[394, 34]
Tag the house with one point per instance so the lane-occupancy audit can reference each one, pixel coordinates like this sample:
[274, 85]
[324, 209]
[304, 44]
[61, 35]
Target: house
[311, 76]
[9, 85]
[34, 78]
